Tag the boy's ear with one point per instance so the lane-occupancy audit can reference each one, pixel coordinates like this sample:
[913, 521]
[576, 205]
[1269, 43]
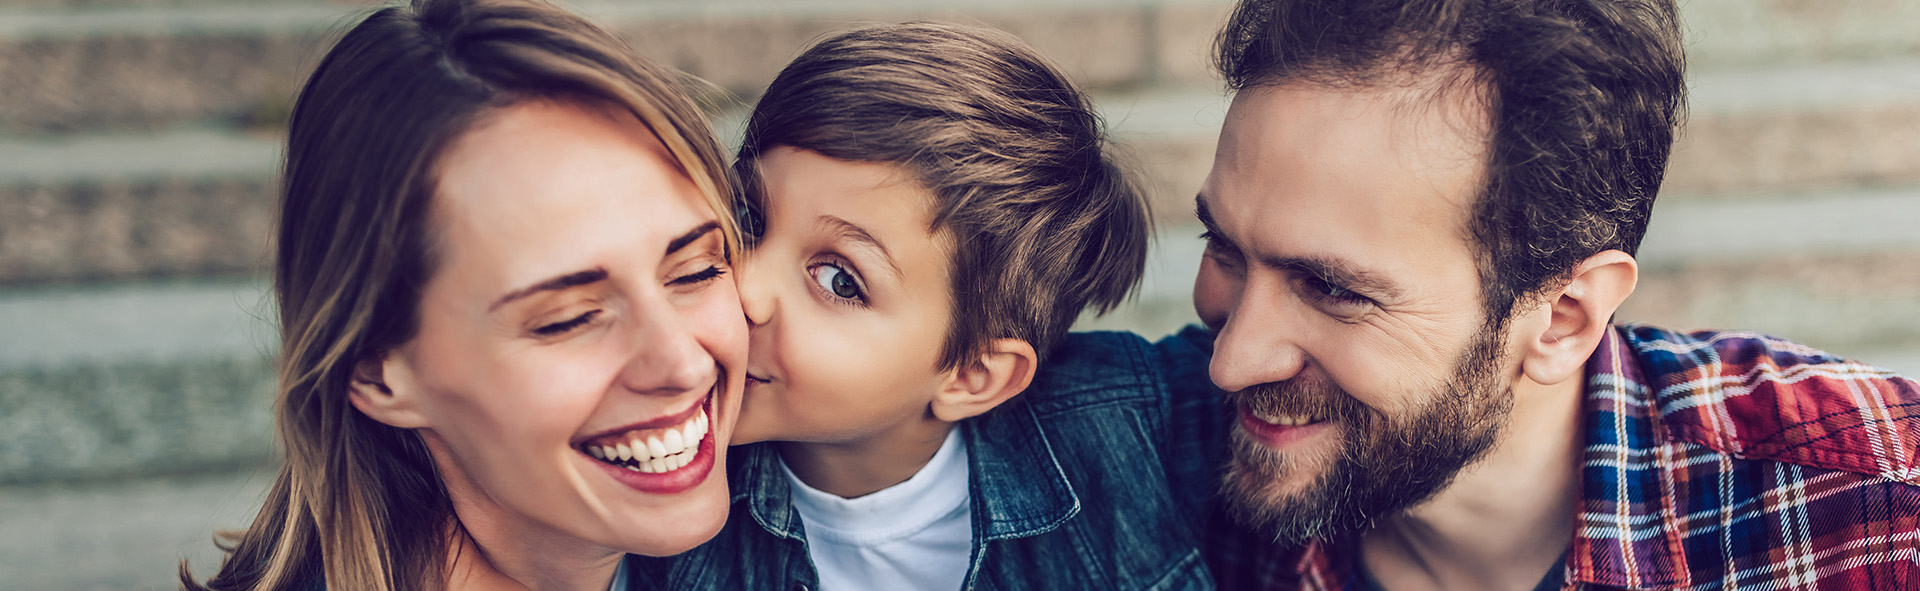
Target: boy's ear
[383, 389]
[1003, 371]
[1578, 316]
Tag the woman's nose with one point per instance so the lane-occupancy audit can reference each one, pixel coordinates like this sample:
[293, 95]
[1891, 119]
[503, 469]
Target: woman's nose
[667, 359]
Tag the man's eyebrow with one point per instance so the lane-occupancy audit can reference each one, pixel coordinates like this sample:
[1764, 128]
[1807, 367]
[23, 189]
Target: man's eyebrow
[1218, 239]
[1206, 215]
[1337, 272]
[676, 244]
[555, 284]
[852, 232]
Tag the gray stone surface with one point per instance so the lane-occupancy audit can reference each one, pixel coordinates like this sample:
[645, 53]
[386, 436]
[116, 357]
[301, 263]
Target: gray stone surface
[133, 380]
[1751, 32]
[126, 535]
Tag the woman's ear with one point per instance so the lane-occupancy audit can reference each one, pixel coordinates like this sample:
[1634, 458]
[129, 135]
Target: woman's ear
[1003, 371]
[383, 389]
[1579, 315]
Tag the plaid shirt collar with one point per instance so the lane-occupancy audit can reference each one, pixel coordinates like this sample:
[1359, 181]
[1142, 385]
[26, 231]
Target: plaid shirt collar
[1740, 396]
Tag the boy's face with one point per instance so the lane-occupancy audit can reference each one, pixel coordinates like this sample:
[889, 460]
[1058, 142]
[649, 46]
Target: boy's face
[847, 295]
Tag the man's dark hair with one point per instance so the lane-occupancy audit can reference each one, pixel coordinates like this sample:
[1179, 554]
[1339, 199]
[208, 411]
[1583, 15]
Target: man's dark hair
[1583, 95]
[1044, 223]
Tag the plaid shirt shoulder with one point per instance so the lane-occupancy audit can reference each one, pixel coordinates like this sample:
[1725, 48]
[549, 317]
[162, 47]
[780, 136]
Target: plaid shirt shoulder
[1713, 461]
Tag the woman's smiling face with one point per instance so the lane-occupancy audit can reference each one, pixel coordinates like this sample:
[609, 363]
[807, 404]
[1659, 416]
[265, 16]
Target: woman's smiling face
[578, 364]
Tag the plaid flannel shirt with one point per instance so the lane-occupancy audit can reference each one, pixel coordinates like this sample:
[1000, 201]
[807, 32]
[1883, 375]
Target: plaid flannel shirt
[1713, 461]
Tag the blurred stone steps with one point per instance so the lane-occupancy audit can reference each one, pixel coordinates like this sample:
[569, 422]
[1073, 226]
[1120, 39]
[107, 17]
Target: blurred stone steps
[120, 380]
[189, 202]
[148, 64]
[1838, 271]
[153, 65]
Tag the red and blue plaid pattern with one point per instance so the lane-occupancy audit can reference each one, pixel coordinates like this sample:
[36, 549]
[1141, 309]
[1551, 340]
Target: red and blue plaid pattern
[1713, 461]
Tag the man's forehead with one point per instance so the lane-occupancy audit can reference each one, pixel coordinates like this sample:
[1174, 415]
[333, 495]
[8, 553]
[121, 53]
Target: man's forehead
[1359, 173]
[1393, 143]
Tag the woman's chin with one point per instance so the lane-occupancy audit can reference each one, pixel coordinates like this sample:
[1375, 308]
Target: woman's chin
[676, 527]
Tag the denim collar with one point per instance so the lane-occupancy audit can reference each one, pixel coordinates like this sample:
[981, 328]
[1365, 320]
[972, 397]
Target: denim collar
[1018, 486]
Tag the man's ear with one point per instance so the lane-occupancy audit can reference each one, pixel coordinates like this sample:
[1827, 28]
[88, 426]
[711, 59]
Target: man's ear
[1579, 315]
[1003, 371]
[383, 389]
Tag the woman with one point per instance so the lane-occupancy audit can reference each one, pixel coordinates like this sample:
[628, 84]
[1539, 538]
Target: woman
[511, 346]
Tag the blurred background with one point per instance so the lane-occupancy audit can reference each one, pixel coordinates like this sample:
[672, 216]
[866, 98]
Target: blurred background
[139, 140]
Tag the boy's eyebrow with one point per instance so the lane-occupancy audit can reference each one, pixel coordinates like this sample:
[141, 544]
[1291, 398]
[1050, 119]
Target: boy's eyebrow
[854, 233]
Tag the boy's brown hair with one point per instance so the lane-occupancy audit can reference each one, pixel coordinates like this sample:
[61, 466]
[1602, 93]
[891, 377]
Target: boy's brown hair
[1044, 223]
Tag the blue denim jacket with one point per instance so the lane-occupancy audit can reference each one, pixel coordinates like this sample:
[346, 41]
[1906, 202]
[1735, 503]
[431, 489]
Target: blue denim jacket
[1099, 476]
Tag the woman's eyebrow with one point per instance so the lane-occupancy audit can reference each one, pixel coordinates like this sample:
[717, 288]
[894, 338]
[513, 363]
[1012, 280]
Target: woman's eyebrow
[852, 232]
[676, 244]
[555, 284]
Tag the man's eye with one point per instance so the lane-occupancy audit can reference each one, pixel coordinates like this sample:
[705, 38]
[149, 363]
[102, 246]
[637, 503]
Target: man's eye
[838, 282]
[1222, 252]
[1333, 294]
[566, 326]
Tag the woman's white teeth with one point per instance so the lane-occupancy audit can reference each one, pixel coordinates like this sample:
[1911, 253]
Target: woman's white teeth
[665, 451]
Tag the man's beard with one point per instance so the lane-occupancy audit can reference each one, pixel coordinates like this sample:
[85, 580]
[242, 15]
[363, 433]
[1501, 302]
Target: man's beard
[1385, 464]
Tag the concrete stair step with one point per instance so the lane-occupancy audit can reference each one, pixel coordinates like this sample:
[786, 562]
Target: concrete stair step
[75, 64]
[120, 380]
[150, 66]
[1835, 271]
[146, 525]
[1768, 32]
[190, 202]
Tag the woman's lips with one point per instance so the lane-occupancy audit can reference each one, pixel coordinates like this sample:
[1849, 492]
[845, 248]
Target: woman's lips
[669, 468]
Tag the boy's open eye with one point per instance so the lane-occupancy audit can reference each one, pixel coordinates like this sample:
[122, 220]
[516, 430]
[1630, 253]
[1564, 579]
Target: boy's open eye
[752, 224]
[838, 282]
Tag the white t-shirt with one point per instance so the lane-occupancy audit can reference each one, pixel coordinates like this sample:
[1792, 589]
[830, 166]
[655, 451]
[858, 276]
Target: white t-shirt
[914, 535]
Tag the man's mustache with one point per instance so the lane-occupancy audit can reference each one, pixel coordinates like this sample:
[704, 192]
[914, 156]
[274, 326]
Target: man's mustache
[1301, 397]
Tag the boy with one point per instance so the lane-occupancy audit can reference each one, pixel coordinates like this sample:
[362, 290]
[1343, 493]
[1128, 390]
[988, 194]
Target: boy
[930, 208]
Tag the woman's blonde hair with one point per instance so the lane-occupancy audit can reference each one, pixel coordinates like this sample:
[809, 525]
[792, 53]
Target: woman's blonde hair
[358, 503]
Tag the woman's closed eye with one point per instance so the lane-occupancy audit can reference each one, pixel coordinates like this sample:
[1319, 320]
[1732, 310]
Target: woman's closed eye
[838, 283]
[710, 273]
[566, 326]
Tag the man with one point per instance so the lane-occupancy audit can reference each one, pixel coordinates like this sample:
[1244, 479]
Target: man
[1421, 218]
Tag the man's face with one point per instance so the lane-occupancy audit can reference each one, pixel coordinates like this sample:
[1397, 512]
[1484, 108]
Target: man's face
[1342, 286]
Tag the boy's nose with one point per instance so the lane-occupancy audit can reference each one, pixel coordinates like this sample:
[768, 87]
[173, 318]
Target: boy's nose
[756, 292]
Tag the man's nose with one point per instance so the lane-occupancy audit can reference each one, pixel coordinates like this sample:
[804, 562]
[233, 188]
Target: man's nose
[1258, 344]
